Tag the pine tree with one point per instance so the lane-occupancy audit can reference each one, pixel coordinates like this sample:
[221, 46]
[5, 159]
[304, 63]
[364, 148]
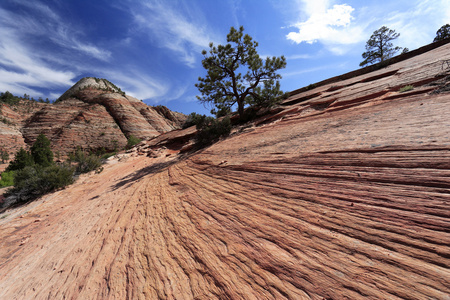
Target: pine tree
[21, 160]
[224, 86]
[41, 152]
[442, 33]
[379, 47]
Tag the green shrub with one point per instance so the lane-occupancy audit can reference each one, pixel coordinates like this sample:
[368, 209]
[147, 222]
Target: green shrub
[9, 98]
[132, 140]
[406, 88]
[21, 160]
[211, 129]
[108, 155]
[311, 86]
[193, 119]
[85, 163]
[7, 179]
[221, 111]
[35, 181]
[41, 152]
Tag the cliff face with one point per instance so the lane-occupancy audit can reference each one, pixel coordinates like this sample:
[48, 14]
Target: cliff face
[341, 194]
[92, 114]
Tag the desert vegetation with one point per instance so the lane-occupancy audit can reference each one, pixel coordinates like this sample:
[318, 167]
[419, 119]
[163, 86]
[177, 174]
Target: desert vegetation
[34, 173]
[224, 86]
[406, 88]
[379, 47]
[131, 141]
[442, 33]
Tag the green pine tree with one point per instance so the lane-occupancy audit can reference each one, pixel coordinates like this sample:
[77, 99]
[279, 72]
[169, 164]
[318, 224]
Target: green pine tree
[442, 33]
[41, 152]
[379, 47]
[225, 87]
[21, 160]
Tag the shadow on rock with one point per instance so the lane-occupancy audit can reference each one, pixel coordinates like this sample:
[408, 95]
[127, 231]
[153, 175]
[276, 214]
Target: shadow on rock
[150, 170]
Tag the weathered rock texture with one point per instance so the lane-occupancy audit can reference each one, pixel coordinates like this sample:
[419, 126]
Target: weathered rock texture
[343, 196]
[92, 114]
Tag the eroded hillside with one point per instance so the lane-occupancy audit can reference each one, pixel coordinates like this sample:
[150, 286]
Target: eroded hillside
[343, 194]
[93, 114]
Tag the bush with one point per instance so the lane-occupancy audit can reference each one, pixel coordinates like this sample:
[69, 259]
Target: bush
[33, 182]
[21, 160]
[406, 88]
[85, 163]
[7, 179]
[193, 119]
[132, 140]
[9, 98]
[211, 129]
[41, 152]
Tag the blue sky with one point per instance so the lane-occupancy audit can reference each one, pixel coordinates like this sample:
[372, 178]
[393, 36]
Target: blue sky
[152, 49]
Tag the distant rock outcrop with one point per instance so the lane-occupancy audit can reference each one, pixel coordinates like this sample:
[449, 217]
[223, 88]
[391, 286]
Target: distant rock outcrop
[92, 114]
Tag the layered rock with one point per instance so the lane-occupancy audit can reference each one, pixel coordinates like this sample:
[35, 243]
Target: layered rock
[12, 120]
[93, 114]
[343, 193]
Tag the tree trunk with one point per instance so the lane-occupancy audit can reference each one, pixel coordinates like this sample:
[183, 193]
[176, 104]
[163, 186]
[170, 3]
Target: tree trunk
[241, 108]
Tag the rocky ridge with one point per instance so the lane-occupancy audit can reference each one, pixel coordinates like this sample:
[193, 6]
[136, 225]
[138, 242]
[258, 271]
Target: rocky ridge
[92, 114]
[343, 192]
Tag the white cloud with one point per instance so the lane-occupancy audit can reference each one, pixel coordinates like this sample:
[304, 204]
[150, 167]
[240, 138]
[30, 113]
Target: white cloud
[328, 24]
[174, 29]
[339, 27]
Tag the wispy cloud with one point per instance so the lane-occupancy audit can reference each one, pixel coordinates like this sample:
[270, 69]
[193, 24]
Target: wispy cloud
[21, 69]
[418, 23]
[137, 84]
[304, 71]
[173, 28]
[26, 66]
[42, 21]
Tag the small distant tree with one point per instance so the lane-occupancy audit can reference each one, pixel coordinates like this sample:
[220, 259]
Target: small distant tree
[132, 140]
[41, 152]
[9, 98]
[84, 163]
[4, 155]
[21, 160]
[225, 86]
[442, 33]
[193, 119]
[379, 47]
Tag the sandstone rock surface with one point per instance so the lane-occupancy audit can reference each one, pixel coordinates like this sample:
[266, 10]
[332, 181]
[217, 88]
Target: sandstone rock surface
[344, 195]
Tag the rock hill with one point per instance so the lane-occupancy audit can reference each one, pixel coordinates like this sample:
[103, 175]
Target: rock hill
[343, 192]
[92, 114]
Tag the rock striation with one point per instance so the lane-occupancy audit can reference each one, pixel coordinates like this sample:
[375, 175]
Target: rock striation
[92, 114]
[341, 193]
